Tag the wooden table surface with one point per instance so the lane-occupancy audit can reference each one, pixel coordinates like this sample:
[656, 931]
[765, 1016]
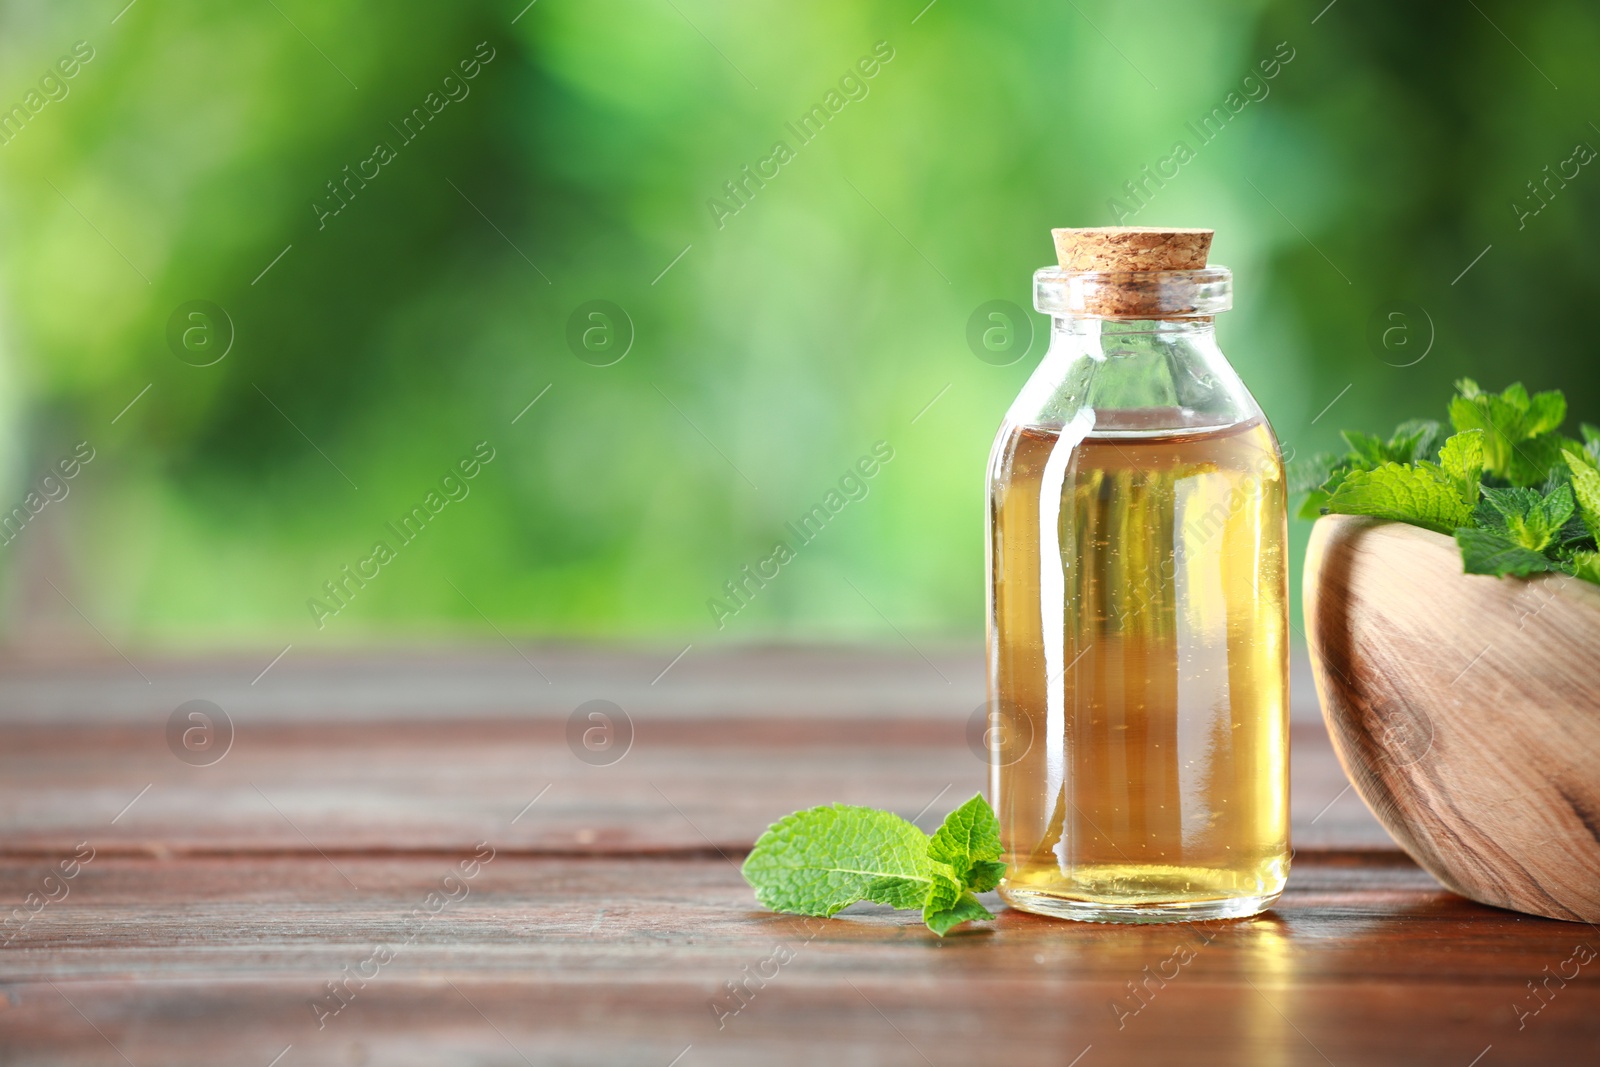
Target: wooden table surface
[414, 831]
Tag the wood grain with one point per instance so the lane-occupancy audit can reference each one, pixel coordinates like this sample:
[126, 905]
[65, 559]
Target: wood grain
[410, 785]
[611, 919]
[607, 960]
[1465, 709]
[517, 682]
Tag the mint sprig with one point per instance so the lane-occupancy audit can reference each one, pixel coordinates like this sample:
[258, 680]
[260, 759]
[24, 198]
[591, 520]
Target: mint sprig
[1520, 443]
[1585, 486]
[818, 861]
[1518, 496]
[1420, 495]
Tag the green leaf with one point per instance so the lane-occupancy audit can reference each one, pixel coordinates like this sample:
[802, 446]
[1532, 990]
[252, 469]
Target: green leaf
[970, 834]
[1319, 476]
[1558, 506]
[1311, 507]
[968, 845]
[1490, 551]
[1536, 460]
[1520, 442]
[1586, 488]
[985, 875]
[1472, 413]
[897, 892]
[817, 861]
[1412, 440]
[965, 909]
[1423, 495]
[1591, 442]
[1519, 496]
[945, 890]
[1366, 449]
[1461, 459]
[1546, 411]
[1571, 538]
[1307, 473]
[1586, 565]
[1317, 499]
[1525, 517]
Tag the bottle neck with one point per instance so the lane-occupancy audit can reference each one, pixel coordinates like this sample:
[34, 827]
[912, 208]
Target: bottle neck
[1129, 331]
[1138, 375]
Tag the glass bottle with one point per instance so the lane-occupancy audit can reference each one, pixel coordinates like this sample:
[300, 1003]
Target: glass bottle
[1138, 601]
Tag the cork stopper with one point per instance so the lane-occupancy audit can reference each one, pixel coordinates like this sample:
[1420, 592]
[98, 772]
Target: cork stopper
[1131, 248]
[1125, 272]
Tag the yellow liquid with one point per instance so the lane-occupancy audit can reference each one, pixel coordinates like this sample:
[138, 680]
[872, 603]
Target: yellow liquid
[1139, 671]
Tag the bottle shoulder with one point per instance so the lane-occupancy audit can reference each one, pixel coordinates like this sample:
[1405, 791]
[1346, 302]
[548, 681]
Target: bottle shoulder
[1137, 383]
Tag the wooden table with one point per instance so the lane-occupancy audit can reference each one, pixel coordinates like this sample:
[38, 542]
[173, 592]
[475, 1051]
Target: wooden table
[414, 832]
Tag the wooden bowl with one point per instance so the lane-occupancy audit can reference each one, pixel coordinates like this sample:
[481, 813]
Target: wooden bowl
[1465, 709]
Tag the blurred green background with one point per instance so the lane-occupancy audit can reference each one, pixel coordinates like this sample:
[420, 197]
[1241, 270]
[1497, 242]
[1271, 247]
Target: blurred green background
[772, 347]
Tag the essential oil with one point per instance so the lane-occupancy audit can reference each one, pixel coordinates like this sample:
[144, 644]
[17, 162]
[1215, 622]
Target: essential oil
[1138, 617]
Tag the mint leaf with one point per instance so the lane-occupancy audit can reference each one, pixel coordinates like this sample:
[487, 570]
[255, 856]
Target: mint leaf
[1538, 459]
[1490, 551]
[965, 909]
[1513, 412]
[1572, 537]
[985, 875]
[1591, 441]
[1520, 443]
[1319, 476]
[1411, 441]
[1314, 505]
[1461, 459]
[950, 901]
[969, 835]
[898, 892]
[1524, 516]
[818, 861]
[945, 891]
[1585, 488]
[1422, 495]
[1306, 473]
[1586, 565]
[1365, 449]
[1546, 411]
[1519, 496]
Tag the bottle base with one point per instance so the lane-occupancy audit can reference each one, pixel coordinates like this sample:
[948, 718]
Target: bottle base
[1057, 907]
